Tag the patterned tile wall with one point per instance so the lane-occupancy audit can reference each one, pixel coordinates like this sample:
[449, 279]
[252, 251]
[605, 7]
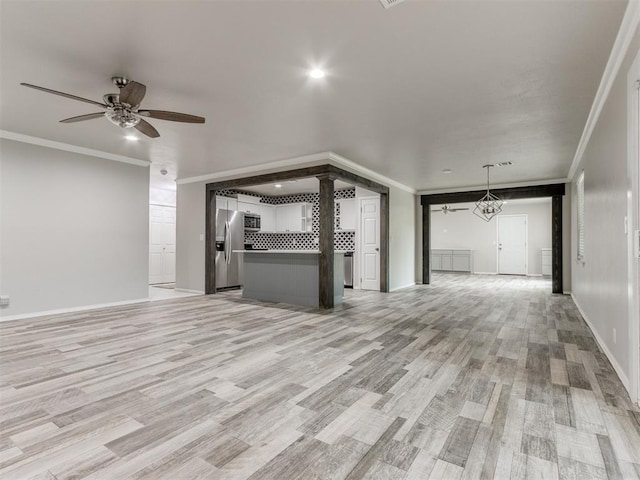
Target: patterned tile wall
[299, 241]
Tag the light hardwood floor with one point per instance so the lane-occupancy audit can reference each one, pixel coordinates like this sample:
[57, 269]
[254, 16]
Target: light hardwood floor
[471, 377]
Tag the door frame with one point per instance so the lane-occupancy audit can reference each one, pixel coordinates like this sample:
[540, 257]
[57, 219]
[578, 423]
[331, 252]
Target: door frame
[526, 241]
[555, 190]
[633, 224]
[359, 234]
[162, 205]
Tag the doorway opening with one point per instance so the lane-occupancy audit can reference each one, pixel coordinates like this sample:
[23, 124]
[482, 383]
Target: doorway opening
[554, 222]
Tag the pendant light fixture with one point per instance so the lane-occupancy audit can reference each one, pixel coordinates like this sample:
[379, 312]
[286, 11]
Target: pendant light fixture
[488, 206]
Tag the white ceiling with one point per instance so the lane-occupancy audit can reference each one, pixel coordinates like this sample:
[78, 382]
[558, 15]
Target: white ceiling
[409, 91]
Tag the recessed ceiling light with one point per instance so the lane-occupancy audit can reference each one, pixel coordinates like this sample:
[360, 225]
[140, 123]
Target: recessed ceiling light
[131, 138]
[316, 73]
[277, 185]
[447, 170]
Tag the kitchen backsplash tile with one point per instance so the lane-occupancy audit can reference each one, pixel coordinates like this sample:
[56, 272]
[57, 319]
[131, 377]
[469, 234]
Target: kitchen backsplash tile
[298, 241]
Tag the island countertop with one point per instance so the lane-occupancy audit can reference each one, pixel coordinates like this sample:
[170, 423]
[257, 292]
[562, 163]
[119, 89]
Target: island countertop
[289, 276]
[308, 252]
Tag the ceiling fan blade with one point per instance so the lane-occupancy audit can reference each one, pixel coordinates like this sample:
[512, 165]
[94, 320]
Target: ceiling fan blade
[62, 94]
[146, 128]
[81, 118]
[171, 116]
[133, 93]
[458, 209]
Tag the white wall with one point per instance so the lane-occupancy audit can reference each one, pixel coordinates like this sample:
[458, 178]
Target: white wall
[600, 284]
[74, 229]
[402, 238]
[190, 234]
[463, 229]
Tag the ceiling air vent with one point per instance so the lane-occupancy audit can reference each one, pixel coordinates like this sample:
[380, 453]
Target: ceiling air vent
[390, 3]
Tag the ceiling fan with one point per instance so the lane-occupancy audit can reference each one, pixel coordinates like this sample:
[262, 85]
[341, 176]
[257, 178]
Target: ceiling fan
[123, 108]
[446, 209]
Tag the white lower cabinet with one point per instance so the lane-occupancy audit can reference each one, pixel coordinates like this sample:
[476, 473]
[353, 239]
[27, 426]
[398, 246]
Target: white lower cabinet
[452, 260]
[546, 261]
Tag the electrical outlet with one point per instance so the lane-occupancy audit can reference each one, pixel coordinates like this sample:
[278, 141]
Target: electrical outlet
[615, 336]
[4, 300]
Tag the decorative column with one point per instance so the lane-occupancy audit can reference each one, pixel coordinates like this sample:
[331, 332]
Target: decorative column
[210, 247]
[426, 244]
[556, 244]
[325, 243]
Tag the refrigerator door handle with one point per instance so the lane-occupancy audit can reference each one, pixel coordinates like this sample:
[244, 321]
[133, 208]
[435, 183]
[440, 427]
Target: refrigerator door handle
[227, 242]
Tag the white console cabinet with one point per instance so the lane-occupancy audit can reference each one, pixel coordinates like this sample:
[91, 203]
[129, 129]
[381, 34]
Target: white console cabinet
[546, 261]
[452, 260]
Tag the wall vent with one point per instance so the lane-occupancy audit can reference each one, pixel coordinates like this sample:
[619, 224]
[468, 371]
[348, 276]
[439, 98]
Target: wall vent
[390, 3]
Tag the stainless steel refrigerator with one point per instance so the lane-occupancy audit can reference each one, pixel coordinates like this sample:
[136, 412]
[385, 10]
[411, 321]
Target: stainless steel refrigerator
[229, 237]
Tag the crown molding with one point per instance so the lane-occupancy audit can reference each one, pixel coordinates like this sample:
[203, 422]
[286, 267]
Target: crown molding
[628, 27]
[269, 167]
[299, 162]
[43, 142]
[493, 186]
[347, 164]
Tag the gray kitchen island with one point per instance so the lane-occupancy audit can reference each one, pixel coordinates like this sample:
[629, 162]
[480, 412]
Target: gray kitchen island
[288, 276]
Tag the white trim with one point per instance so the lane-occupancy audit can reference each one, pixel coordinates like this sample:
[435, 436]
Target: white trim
[633, 223]
[627, 30]
[299, 162]
[188, 290]
[42, 142]
[484, 273]
[567, 292]
[412, 284]
[72, 309]
[603, 346]
[497, 185]
[343, 162]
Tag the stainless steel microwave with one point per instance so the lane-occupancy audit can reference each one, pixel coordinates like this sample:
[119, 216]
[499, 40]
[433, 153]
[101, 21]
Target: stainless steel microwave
[251, 222]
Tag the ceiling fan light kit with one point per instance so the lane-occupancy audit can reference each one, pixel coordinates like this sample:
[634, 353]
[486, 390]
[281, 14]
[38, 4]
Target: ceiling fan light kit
[122, 109]
[490, 205]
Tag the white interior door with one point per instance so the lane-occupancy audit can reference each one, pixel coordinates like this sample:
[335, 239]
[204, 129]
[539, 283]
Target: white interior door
[370, 243]
[169, 244]
[162, 244]
[512, 244]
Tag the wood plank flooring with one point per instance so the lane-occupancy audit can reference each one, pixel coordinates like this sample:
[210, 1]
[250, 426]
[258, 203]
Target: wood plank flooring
[471, 377]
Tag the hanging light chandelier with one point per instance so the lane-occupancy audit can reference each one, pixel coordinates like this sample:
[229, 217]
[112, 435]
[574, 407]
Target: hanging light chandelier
[488, 206]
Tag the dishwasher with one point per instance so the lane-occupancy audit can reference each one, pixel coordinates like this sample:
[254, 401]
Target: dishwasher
[348, 270]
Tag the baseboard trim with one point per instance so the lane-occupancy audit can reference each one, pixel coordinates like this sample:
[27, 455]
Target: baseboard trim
[59, 311]
[616, 366]
[484, 273]
[403, 286]
[188, 290]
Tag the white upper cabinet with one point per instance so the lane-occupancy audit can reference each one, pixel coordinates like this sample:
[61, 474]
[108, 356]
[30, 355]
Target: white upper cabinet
[294, 217]
[248, 207]
[347, 217]
[267, 217]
